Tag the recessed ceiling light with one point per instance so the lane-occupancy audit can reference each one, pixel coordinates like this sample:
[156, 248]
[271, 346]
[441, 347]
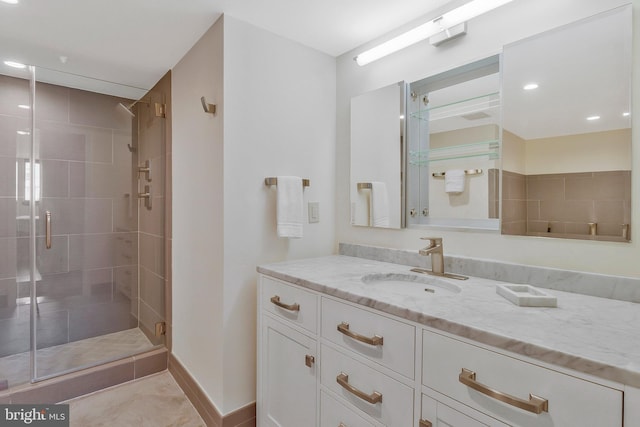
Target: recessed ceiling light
[10, 1]
[627, 114]
[591, 118]
[530, 86]
[24, 106]
[23, 132]
[14, 64]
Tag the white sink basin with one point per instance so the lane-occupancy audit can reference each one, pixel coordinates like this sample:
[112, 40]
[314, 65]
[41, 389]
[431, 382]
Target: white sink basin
[410, 284]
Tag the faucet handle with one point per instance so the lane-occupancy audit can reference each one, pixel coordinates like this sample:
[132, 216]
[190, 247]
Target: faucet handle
[433, 240]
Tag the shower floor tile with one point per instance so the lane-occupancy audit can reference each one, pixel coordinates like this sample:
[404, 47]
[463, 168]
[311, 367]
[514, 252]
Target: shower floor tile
[153, 401]
[87, 352]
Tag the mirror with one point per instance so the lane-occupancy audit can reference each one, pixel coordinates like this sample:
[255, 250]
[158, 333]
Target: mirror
[567, 131]
[377, 138]
[454, 147]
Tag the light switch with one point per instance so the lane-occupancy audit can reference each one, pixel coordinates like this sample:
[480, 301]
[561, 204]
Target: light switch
[314, 212]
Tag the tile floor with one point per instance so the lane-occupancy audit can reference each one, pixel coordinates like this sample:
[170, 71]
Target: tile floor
[153, 401]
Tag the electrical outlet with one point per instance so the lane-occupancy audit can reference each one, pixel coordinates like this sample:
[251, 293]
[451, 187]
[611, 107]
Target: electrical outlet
[314, 212]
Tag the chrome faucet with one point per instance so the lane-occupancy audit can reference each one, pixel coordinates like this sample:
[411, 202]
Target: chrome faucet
[437, 255]
[437, 259]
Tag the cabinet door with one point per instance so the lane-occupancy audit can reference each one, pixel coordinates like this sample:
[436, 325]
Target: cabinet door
[288, 373]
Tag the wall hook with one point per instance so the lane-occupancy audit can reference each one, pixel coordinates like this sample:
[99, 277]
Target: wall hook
[208, 108]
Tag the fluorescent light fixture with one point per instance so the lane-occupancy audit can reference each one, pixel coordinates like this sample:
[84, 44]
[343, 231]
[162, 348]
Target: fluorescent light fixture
[439, 25]
[14, 64]
[592, 118]
[10, 1]
[530, 86]
[24, 106]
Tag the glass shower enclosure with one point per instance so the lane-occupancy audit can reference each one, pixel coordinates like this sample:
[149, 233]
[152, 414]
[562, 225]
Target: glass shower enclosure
[81, 223]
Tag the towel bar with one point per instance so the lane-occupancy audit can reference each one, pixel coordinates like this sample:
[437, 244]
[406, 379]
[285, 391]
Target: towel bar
[466, 172]
[274, 181]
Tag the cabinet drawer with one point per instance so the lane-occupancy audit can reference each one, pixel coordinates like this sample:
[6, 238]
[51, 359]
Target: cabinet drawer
[437, 414]
[571, 401]
[289, 302]
[335, 414]
[396, 349]
[396, 405]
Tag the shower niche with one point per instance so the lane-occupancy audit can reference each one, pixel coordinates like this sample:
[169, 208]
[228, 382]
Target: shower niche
[82, 269]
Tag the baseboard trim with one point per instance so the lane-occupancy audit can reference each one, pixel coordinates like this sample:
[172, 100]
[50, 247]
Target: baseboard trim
[243, 417]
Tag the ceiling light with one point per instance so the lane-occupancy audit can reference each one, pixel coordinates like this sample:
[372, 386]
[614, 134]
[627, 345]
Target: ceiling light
[592, 118]
[442, 24]
[627, 114]
[24, 106]
[10, 1]
[530, 86]
[14, 64]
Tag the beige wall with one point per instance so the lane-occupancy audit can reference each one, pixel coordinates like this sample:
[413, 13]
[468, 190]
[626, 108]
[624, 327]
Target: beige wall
[588, 152]
[486, 35]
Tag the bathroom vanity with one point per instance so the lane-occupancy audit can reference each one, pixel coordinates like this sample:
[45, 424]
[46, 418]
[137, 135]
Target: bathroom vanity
[345, 341]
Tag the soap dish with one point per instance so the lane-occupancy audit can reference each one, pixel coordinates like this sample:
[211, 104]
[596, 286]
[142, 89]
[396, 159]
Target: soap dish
[526, 296]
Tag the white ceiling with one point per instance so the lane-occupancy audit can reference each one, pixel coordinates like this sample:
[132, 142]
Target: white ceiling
[135, 42]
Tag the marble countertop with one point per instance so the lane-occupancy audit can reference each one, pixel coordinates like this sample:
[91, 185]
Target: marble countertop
[597, 336]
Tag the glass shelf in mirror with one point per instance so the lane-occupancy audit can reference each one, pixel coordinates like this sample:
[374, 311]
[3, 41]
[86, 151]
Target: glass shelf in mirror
[473, 108]
[489, 148]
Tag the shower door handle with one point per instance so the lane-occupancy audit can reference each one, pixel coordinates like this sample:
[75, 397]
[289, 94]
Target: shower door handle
[47, 229]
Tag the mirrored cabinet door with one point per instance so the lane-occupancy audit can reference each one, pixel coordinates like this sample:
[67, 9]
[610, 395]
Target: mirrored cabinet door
[454, 147]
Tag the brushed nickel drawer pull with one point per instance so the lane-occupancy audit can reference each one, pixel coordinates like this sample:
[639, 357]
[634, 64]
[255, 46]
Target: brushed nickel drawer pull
[535, 404]
[375, 340]
[343, 380]
[425, 423]
[291, 307]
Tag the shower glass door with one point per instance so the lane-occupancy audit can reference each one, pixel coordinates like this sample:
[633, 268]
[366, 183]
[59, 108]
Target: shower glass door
[70, 285]
[16, 232]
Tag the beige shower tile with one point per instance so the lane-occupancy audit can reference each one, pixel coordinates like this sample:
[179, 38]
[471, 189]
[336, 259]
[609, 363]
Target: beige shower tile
[13, 92]
[52, 103]
[610, 211]
[7, 177]
[575, 210]
[546, 187]
[91, 251]
[92, 180]
[579, 187]
[8, 257]
[611, 185]
[514, 210]
[152, 289]
[96, 110]
[55, 178]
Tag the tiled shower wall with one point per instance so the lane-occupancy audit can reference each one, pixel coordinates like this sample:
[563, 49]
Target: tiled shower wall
[567, 203]
[153, 145]
[89, 276]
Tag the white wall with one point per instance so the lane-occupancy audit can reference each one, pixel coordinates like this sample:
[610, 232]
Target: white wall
[587, 152]
[279, 120]
[198, 252]
[486, 35]
[276, 116]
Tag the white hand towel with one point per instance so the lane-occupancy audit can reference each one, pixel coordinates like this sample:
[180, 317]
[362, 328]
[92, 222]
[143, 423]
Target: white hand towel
[379, 204]
[289, 208]
[454, 181]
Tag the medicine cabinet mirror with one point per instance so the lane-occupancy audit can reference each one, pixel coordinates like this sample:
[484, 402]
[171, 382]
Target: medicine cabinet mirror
[377, 157]
[453, 155]
[567, 131]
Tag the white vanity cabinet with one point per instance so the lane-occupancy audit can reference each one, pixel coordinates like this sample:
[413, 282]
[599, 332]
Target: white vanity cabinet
[324, 361]
[287, 354]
